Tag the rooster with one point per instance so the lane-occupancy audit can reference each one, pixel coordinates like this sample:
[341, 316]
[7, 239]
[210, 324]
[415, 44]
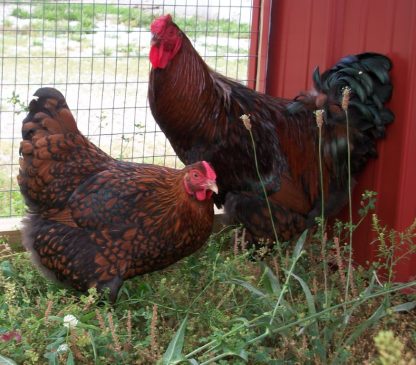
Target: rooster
[94, 221]
[199, 111]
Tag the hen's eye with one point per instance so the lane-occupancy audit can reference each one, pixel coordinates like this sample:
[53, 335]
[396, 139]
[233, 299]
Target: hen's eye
[195, 175]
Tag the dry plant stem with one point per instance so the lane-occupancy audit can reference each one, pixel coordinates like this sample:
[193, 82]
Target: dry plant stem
[353, 288]
[153, 332]
[236, 242]
[129, 326]
[116, 341]
[100, 319]
[323, 234]
[340, 264]
[226, 296]
[243, 241]
[265, 193]
[276, 268]
[349, 205]
[319, 122]
[48, 310]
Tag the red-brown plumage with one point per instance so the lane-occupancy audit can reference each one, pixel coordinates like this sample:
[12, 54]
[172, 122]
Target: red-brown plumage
[199, 110]
[95, 221]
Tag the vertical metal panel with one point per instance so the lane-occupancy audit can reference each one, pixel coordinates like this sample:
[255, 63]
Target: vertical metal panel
[254, 44]
[260, 31]
[309, 33]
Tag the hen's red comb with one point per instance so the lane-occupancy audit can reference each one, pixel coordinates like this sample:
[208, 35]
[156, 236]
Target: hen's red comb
[210, 173]
[159, 24]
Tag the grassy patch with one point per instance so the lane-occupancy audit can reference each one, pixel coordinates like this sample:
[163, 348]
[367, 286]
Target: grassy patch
[220, 27]
[88, 14]
[21, 13]
[11, 201]
[228, 300]
[11, 204]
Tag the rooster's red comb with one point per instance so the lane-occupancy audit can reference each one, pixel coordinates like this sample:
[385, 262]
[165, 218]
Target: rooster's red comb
[158, 25]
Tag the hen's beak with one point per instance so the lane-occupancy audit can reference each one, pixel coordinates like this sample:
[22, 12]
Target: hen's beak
[211, 185]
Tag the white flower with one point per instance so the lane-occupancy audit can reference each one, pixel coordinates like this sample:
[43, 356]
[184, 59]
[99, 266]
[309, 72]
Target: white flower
[70, 321]
[62, 348]
[319, 116]
[246, 120]
[346, 93]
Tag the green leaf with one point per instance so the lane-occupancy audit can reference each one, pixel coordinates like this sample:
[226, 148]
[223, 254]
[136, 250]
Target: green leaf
[309, 297]
[312, 310]
[193, 362]
[70, 359]
[270, 281]
[272, 285]
[363, 297]
[54, 345]
[87, 317]
[6, 361]
[173, 354]
[404, 307]
[94, 347]
[245, 321]
[249, 287]
[52, 358]
[376, 316]
[6, 269]
[242, 354]
[299, 244]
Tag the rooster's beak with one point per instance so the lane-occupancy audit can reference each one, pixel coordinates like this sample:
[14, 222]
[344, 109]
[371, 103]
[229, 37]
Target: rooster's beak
[211, 185]
[155, 40]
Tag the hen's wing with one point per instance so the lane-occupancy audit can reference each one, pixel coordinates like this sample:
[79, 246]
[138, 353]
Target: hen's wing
[119, 223]
[125, 194]
[104, 234]
[56, 157]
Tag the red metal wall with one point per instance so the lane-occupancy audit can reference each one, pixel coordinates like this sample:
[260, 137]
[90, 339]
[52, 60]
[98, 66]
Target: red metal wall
[307, 33]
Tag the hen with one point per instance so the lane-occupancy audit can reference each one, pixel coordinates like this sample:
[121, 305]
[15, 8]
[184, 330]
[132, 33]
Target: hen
[199, 110]
[95, 221]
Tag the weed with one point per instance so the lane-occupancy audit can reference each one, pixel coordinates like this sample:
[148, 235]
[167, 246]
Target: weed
[21, 13]
[391, 350]
[235, 310]
[18, 105]
[330, 317]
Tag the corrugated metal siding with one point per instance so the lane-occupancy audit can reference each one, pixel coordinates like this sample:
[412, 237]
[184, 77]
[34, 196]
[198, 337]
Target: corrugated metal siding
[309, 33]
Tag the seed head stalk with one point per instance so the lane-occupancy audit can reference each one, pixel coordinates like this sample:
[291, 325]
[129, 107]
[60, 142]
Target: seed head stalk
[319, 116]
[346, 93]
[247, 123]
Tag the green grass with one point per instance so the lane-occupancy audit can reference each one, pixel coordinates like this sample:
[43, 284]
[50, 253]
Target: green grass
[229, 303]
[11, 201]
[194, 25]
[11, 204]
[87, 14]
[21, 13]
[217, 306]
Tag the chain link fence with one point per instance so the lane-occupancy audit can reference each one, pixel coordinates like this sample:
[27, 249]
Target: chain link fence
[96, 54]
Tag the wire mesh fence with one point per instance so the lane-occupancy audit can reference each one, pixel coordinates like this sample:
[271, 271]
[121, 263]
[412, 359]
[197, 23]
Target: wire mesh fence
[96, 54]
